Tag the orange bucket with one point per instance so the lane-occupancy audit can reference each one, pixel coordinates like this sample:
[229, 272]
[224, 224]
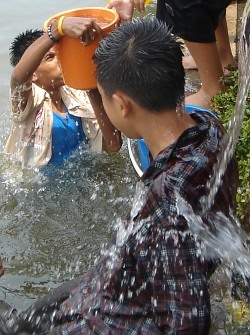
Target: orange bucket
[76, 59]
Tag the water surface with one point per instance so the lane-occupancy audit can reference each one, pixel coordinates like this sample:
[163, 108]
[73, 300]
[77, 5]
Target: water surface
[53, 225]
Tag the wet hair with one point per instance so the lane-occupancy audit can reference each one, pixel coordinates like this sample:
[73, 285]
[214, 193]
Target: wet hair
[21, 43]
[143, 59]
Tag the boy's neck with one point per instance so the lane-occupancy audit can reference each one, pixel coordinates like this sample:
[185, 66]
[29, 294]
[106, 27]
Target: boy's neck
[58, 105]
[162, 129]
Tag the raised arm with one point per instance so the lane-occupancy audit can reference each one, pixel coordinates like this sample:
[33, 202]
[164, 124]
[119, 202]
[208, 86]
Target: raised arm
[31, 59]
[22, 73]
[111, 136]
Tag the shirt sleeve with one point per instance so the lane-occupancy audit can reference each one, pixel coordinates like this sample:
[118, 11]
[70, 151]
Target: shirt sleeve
[35, 99]
[78, 104]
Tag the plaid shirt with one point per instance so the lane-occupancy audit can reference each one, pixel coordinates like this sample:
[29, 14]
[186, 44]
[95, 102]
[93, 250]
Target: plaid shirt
[154, 282]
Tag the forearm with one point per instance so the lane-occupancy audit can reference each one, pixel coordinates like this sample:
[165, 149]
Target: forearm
[31, 59]
[111, 136]
[75, 27]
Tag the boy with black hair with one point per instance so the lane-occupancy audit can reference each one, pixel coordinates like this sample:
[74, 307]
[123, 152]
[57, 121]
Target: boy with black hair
[153, 280]
[50, 119]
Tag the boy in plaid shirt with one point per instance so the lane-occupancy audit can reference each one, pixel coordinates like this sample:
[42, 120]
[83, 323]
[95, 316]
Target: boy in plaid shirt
[154, 280]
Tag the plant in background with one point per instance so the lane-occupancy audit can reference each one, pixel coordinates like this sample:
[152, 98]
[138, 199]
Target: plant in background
[222, 105]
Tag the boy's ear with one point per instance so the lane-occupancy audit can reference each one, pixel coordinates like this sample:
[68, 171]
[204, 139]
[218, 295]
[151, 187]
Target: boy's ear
[123, 103]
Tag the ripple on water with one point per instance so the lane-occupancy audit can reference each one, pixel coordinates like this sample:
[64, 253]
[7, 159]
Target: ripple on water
[54, 224]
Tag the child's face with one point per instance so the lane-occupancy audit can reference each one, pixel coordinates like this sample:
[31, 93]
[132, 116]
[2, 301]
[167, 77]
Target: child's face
[49, 74]
[119, 112]
[112, 110]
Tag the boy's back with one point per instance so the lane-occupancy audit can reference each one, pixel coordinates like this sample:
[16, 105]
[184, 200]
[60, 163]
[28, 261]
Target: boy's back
[154, 281]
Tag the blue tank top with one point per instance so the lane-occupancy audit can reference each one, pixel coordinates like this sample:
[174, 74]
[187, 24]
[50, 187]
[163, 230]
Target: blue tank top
[67, 134]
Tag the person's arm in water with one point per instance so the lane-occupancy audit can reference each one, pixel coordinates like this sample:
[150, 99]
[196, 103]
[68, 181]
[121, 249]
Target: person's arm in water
[23, 72]
[111, 136]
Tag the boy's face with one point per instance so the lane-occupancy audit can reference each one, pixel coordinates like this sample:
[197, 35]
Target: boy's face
[48, 73]
[114, 112]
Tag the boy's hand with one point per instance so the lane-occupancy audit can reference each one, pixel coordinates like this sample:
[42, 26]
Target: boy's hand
[82, 28]
[124, 8]
[138, 4]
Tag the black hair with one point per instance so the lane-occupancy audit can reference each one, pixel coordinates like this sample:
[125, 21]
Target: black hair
[143, 59]
[21, 43]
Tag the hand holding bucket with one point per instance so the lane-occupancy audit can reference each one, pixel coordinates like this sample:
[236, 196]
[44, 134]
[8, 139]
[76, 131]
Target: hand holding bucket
[77, 44]
[81, 28]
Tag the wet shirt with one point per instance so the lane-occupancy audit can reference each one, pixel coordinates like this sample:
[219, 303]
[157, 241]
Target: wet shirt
[152, 280]
[67, 134]
[31, 130]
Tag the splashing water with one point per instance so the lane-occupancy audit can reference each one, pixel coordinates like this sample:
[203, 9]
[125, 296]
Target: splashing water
[228, 245]
[227, 242]
[230, 241]
[53, 225]
[237, 117]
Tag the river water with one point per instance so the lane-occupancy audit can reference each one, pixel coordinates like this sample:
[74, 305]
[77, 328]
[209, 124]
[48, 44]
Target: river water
[53, 226]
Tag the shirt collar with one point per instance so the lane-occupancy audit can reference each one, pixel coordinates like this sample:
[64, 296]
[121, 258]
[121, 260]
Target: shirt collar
[204, 123]
[70, 103]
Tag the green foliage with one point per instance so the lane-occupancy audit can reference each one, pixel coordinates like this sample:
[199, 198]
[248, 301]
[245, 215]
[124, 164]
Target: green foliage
[223, 104]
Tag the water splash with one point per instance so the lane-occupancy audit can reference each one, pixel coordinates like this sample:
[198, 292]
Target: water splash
[226, 241]
[221, 239]
[232, 236]
[53, 225]
[236, 121]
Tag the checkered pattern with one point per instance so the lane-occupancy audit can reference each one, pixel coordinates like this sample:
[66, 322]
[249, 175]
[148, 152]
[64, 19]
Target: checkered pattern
[155, 283]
